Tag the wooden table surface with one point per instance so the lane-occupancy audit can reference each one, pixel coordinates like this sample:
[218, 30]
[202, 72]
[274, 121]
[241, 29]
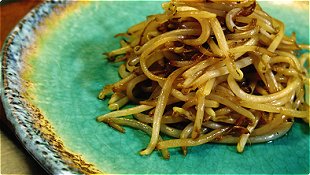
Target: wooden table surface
[14, 158]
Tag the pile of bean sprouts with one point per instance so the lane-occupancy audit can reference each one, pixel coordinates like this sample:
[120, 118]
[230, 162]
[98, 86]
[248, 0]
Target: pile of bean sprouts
[208, 71]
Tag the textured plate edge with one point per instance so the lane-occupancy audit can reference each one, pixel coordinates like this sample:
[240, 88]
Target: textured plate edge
[49, 150]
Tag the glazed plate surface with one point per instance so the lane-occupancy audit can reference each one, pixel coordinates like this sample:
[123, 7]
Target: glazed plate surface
[53, 69]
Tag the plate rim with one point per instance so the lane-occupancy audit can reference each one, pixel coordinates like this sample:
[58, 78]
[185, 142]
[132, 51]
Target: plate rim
[21, 115]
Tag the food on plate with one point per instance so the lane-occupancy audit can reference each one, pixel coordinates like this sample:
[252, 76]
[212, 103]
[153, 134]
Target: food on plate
[208, 71]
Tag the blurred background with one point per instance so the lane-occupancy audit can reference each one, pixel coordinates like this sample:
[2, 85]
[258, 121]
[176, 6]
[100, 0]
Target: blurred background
[14, 158]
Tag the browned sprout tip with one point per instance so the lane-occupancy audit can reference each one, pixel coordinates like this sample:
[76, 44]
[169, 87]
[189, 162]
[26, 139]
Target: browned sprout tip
[115, 126]
[107, 54]
[121, 34]
[101, 96]
[167, 157]
[184, 151]
[142, 151]
[117, 35]
[246, 11]
[110, 58]
[240, 130]
[298, 46]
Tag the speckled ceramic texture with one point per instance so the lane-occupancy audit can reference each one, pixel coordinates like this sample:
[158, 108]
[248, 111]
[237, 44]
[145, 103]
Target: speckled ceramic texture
[22, 114]
[53, 70]
[16, 110]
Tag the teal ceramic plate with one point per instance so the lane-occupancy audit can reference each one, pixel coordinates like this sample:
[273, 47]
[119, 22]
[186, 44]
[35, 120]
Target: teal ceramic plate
[53, 70]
